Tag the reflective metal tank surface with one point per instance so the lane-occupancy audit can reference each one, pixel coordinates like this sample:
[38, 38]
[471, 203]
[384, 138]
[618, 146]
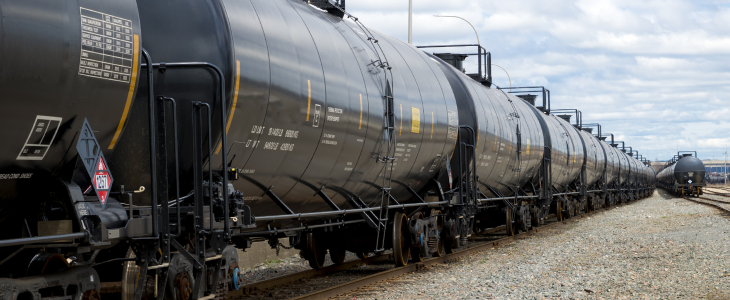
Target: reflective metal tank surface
[305, 98]
[567, 152]
[611, 163]
[595, 159]
[62, 62]
[305, 102]
[509, 140]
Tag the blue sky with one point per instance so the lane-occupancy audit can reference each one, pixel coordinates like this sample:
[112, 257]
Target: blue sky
[654, 73]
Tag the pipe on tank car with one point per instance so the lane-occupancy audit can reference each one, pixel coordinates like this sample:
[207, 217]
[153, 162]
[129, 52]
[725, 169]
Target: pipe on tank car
[210, 165]
[613, 143]
[678, 152]
[224, 117]
[43, 239]
[177, 170]
[153, 149]
[343, 212]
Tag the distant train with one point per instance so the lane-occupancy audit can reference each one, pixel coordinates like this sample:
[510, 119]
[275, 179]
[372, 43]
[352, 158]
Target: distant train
[715, 178]
[144, 141]
[683, 175]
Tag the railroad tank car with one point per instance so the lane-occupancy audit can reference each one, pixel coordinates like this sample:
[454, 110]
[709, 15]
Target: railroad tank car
[684, 175]
[611, 174]
[166, 134]
[714, 178]
[595, 158]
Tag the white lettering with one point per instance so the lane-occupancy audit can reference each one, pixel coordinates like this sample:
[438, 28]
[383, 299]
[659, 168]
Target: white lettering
[257, 129]
[276, 131]
[292, 134]
[271, 145]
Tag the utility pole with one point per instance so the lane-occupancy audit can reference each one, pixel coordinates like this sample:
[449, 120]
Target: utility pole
[724, 168]
[410, 22]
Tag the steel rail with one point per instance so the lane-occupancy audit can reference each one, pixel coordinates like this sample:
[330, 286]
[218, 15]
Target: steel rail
[713, 205]
[250, 288]
[375, 278]
[257, 286]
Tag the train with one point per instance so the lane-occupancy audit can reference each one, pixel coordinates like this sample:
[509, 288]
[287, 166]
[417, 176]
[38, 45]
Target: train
[146, 141]
[715, 178]
[683, 175]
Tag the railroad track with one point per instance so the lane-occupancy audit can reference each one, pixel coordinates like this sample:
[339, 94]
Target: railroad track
[260, 286]
[718, 204]
[717, 191]
[362, 281]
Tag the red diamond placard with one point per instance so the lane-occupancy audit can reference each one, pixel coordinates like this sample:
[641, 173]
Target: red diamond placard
[102, 180]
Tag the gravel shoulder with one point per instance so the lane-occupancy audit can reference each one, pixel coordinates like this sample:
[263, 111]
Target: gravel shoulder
[657, 248]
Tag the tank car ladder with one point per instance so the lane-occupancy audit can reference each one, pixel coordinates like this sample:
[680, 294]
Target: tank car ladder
[387, 155]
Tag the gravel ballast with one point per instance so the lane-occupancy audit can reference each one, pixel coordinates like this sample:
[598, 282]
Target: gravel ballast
[657, 248]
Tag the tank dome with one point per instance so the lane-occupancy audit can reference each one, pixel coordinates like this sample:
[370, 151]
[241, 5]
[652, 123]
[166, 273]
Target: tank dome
[689, 164]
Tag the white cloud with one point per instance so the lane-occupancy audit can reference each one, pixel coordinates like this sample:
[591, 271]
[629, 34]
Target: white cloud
[653, 72]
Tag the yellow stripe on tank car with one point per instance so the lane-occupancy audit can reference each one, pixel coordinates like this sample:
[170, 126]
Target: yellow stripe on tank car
[415, 120]
[360, 126]
[235, 101]
[309, 97]
[401, 120]
[130, 94]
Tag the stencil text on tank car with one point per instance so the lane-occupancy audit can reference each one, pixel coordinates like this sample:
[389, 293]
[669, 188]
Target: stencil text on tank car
[40, 138]
[107, 46]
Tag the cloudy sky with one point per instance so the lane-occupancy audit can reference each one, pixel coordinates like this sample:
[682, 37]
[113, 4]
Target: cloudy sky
[656, 74]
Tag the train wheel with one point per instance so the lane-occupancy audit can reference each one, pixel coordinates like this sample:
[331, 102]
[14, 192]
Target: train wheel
[183, 286]
[440, 241]
[91, 295]
[129, 276]
[559, 211]
[451, 244]
[508, 224]
[440, 248]
[315, 253]
[338, 254]
[417, 253]
[525, 222]
[569, 209]
[535, 216]
[401, 245]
